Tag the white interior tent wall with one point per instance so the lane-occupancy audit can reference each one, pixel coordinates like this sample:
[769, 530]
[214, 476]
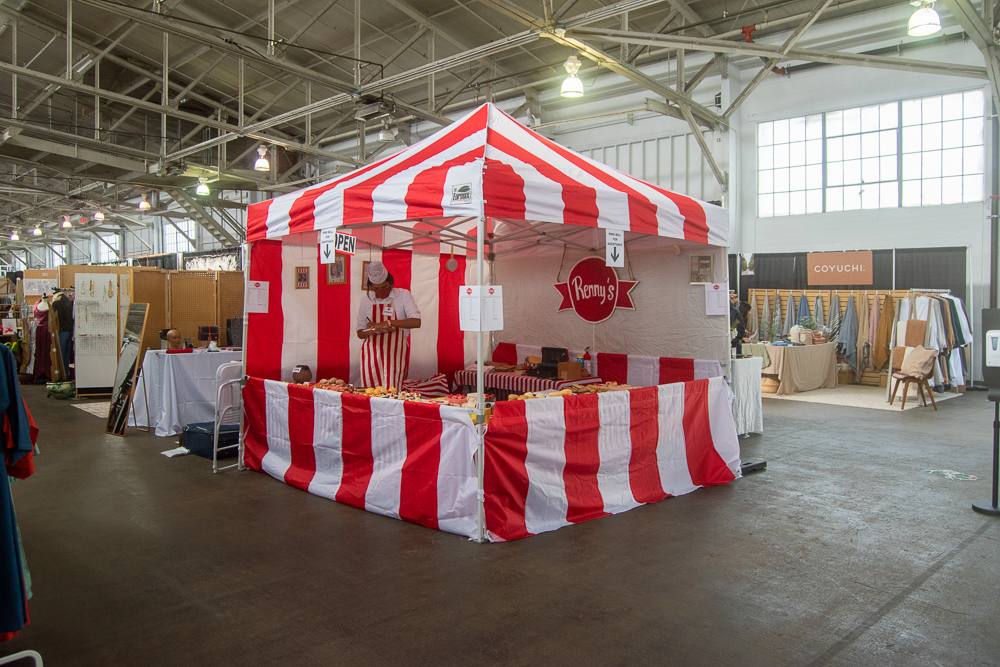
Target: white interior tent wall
[668, 321]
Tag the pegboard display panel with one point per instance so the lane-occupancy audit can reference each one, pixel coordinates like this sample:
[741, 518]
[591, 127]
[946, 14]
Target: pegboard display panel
[192, 302]
[96, 331]
[230, 299]
[149, 285]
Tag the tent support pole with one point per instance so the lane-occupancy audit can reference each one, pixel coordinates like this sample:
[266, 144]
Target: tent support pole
[246, 292]
[480, 395]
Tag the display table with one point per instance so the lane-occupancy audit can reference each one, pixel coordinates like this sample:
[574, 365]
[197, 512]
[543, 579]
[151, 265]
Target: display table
[748, 410]
[802, 367]
[179, 389]
[512, 382]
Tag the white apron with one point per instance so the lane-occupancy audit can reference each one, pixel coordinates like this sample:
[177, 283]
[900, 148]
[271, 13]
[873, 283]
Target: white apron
[384, 356]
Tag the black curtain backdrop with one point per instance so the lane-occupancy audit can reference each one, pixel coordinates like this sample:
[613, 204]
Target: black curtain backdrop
[932, 268]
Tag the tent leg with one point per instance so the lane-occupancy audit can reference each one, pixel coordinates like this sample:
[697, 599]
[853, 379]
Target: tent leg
[480, 394]
[243, 374]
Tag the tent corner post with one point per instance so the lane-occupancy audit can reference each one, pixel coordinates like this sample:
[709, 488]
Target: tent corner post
[243, 372]
[480, 394]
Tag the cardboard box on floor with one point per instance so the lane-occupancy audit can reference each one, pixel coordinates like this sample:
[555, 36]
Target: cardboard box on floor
[570, 370]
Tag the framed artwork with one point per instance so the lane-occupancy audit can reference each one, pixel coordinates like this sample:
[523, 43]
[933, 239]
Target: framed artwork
[301, 277]
[702, 269]
[336, 271]
[364, 272]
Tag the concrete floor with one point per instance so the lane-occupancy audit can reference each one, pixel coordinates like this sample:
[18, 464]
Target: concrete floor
[844, 552]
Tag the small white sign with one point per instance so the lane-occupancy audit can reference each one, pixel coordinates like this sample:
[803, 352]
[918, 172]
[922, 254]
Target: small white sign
[327, 235]
[716, 299]
[614, 247]
[327, 255]
[992, 348]
[257, 291]
[480, 315]
[331, 242]
[345, 243]
[461, 194]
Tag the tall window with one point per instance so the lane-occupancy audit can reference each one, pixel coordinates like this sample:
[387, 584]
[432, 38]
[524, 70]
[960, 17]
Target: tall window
[173, 240]
[106, 254]
[911, 153]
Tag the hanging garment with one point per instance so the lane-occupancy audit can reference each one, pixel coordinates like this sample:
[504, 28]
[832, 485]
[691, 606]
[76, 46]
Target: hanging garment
[883, 336]
[833, 322]
[873, 328]
[384, 357]
[818, 311]
[790, 318]
[847, 341]
[864, 343]
[752, 320]
[43, 344]
[776, 315]
[803, 308]
[764, 320]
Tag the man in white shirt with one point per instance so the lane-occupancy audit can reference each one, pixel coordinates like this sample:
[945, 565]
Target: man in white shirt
[385, 316]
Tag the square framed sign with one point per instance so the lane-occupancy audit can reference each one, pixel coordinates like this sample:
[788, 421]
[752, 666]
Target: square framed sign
[336, 271]
[301, 277]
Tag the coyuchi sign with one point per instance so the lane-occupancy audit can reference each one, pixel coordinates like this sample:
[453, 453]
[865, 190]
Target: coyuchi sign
[840, 268]
[594, 291]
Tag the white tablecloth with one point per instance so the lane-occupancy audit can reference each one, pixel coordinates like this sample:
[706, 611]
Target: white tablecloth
[748, 410]
[180, 389]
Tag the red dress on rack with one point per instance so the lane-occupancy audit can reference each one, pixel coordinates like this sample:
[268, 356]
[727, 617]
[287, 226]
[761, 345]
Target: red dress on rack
[43, 344]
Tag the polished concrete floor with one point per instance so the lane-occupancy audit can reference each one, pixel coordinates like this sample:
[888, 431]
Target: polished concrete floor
[845, 551]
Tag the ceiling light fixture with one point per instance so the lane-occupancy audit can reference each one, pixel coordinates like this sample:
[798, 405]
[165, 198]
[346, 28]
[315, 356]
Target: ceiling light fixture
[14, 236]
[66, 224]
[99, 216]
[37, 231]
[385, 134]
[572, 86]
[144, 204]
[261, 164]
[202, 189]
[925, 21]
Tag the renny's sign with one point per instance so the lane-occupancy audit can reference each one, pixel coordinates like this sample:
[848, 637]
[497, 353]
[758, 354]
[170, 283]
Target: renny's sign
[840, 268]
[594, 291]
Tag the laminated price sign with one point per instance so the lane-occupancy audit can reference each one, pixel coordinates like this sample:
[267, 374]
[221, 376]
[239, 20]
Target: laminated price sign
[470, 317]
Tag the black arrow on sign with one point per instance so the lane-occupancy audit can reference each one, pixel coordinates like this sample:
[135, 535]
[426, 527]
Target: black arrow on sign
[614, 254]
[326, 250]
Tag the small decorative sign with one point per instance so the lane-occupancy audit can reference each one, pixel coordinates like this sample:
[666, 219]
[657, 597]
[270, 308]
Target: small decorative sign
[301, 277]
[702, 269]
[593, 290]
[336, 271]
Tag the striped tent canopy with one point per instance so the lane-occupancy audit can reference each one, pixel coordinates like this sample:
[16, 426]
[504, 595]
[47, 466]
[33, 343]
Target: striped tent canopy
[488, 164]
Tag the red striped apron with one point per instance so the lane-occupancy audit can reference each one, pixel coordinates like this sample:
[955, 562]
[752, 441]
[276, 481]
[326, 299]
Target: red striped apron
[384, 356]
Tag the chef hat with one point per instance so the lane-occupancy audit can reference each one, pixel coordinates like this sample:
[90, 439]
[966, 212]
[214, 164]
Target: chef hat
[377, 273]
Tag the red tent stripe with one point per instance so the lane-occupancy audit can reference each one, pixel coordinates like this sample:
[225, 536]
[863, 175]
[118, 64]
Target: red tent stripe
[263, 353]
[674, 369]
[505, 353]
[704, 463]
[451, 339]
[612, 367]
[424, 196]
[644, 431]
[418, 493]
[695, 222]
[300, 435]
[357, 450]
[503, 191]
[255, 434]
[358, 202]
[399, 264]
[641, 211]
[579, 201]
[257, 220]
[506, 476]
[583, 459]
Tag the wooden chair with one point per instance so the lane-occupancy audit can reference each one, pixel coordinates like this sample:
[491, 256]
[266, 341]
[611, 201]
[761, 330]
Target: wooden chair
[897, 363]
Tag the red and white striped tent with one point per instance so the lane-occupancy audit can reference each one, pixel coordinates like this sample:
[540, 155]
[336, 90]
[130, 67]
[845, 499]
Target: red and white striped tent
[485, 178]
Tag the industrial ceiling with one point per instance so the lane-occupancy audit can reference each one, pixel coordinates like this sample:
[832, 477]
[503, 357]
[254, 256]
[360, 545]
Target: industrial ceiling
[103, 102]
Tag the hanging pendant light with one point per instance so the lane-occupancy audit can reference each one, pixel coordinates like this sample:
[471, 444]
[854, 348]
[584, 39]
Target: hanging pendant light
[99, 216]
[261, 164]
[144, 204]
[202, 189]
[66, 224]
[14, 236]
[385, 134]
[925, 21]
[37, 231]
[572, 86]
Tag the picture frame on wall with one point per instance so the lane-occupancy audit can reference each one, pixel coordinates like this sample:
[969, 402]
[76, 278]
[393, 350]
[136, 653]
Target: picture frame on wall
[336, 271]
[301, 277]
[702, 269]
[364, 272]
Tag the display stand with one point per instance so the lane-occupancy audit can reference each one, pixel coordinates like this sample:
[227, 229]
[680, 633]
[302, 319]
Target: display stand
[991, 376]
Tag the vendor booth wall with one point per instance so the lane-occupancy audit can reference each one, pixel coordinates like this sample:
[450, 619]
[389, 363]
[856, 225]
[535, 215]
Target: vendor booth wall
[668, 321]
[315, 326]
